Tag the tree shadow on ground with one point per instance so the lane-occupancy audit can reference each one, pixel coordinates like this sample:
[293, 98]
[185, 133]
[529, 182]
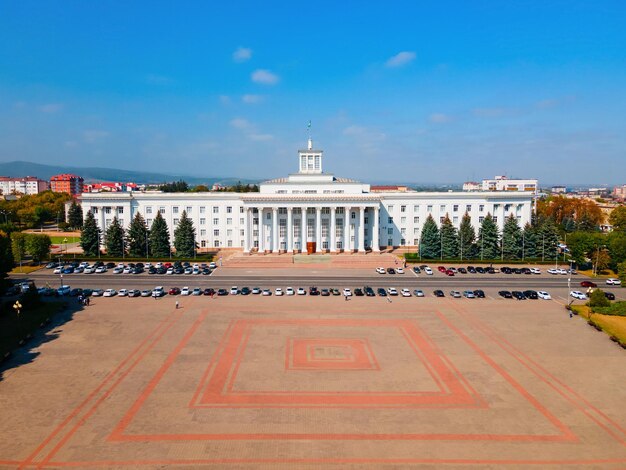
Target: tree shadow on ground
[50, 331]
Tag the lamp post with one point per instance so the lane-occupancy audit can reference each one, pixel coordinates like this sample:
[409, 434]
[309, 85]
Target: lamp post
[64, 244]
[6, 220]
[147, 256]
[543, 247]
[441, 244]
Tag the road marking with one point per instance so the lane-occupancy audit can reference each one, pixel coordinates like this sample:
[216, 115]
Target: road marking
[414, 273]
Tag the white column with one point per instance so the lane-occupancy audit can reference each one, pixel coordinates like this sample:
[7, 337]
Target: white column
[275, 244]
[346, 229]
[290, 229]
[361, 229]
[246, 231]
[261, 231]
[303, 230]
[333, 229]
[375, 240]
[318, 229]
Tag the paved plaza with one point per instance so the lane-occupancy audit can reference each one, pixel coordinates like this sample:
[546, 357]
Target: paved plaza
[300, 382]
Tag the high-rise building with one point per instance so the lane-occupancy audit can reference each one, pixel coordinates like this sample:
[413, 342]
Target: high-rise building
[67, 183]
[25, 185]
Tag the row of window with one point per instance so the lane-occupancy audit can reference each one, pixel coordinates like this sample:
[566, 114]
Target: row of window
[456, 207]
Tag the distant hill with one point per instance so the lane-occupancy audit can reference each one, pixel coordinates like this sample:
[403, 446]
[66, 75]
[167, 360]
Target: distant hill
[95, 174]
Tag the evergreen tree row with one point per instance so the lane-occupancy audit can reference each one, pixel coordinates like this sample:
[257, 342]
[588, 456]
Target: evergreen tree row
[515, 242]
[139, 240]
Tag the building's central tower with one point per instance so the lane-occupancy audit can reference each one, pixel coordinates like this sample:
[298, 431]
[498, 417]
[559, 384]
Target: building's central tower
[310, 160]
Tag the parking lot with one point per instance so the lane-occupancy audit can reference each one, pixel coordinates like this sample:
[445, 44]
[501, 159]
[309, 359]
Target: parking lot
[251, 382]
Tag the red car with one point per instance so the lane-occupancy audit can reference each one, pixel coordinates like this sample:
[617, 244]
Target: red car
[449, 272]
[442, 269]
[174, 291]
[588, 284]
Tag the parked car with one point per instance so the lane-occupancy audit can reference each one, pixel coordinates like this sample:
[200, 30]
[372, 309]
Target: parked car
[278, 291]
[256, 290]
[97, 293]
[405, 292]
[468, 294]
[196, 291]
[531, 294]
[234, 290]
[428, 271]
[391, 271]
[392, 291]
[506, 294]
[267, 292]
[64, 290]
[122, 293]
[418, 293]
[578, 295]
[290, 291]
[325, 293]
[400, 270]
[588, 284]
[542, 294]
[185, 291]
[347, 292]
[438, 293]
[301, 291]
[109, 293]
[313, 291]
[101, 269]
[134, 293]
[381, 292]
[380, 270]
[609, 295]
[174, 291]
[358, 292]
[222, 292]
[479, 294]
[613, 282]
[519, 295]
[535, 270]
[158, 291]
[369, 291]
[455, 293]
[146, 293]
[416, 270]
[245, 291]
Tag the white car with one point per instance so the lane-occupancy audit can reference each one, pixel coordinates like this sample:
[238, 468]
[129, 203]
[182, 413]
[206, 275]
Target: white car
[418, 293]
[185, 291]
[428, 271]
[197, 291]
[158, 265]
[613, 282]
[101, 269]
[552, 271]
[562, 271]
[169, 271]
[146, 293]
[158, 291]
[406, 292]
[455, 293]
[278, 291]
[347, 292]
[301, 291]
[468, 294]
[578, 295]
[212, 265]
[57, 270]
[188, 271]
[109, 293]
[234, 290]
[380, 270]
[118, 270]
[400, 270]
[266, 292]
[256, 290]
[392, 291]
[290, 291]
[127, 270]
[196, 271]
[89, 270]
[535, 270]
[122, 293]
[83, 264]
[542, 294]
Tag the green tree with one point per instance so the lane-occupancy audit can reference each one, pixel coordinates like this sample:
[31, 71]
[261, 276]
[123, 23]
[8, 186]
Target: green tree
[580, 245]
[38, 246]
[185, 237]
[488, 239]
[617, 247]
[529, 242]
[602, 260]
[598, 299]
[159, 239]
[621, 271]
[430, 243]
[547, 240]
[114, 239]
[75, 216]
[586, 223]
[90, 236]
[201, 188]
[511, 239]
[6, 259]
[618, 218]
[449, 239]
[41, 215]
[137, 236]
[568, 225]
[18, 246]
[467, 238]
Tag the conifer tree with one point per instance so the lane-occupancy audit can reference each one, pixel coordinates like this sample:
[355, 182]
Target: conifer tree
[488, 240]
[90, 236]
[114, 239]
[75, 216]
[511, 239]
[430, 243]
[185, 237]
[547, 240]
[529, 242]
[137, 236]
[159, 239]
[467, 238]
[449, 239]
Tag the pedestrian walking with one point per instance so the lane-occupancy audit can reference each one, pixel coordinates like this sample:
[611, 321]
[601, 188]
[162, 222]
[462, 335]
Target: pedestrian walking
[389, 299]
[88, 301]
[345, 297]
[177, 305]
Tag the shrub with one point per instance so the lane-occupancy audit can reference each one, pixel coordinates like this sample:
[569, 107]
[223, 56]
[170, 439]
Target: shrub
[616, 308]
[598, 299]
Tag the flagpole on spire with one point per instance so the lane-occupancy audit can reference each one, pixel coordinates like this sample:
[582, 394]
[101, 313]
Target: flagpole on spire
[308, 128]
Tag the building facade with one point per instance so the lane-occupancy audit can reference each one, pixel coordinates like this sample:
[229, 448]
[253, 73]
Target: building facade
[26, 185]
[309, 211]
[67, 183]
[502, 183]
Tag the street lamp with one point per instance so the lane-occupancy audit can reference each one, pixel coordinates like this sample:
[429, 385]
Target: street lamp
[64, 244]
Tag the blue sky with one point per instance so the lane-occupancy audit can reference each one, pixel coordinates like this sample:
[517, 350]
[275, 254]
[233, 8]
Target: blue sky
[440, 91]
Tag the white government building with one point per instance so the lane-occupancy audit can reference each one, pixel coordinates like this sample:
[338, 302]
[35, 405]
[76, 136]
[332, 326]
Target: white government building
[310, 211]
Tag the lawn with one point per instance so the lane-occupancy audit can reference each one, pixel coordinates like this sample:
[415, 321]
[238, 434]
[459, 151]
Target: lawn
[59, 240]
[25, 269]
[14, 329]
[611, 324]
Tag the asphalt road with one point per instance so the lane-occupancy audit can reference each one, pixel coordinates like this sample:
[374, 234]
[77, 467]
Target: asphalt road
[491, 283]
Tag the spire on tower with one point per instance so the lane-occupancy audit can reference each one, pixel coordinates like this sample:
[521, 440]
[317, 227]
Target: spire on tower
[310, 141]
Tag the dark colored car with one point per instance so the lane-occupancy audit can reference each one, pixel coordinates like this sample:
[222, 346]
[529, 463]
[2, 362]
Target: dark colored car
[76, 292]
[381, 292]
[152, 270]
[479, 294]
[174, 291]
[526, 271]
[506, 270]
[138, 265]
[438, 293]
[416, 270]
[480, 270]
[137, 270]
[314, 291]
[588, 284]
[205, 271]
[518, 295]
[161, 270]
[609, 295]
[449, 272]
[179, 270]
[358, 292]
[531, 294]
[87, 292]
[209, 291]
[222, 292]
[391, 271]
[506, 294]
[110, 265]
[471, 269]
[245, 291]
[490, 271]
[68, 270]
[517, 271]
[462, 271]
[369, 291]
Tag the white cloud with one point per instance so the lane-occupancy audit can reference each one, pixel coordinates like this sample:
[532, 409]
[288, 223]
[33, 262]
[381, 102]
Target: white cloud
[240, 123]
[225, 100]
[92, 136]
[51, 108]
[260, 137]
[439, 118]
[252, 99]
[400, 59]
[265, 77]
[153, 79]
[242, 54]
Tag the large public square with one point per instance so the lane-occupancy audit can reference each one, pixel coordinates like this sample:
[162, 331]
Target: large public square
[316, 382]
